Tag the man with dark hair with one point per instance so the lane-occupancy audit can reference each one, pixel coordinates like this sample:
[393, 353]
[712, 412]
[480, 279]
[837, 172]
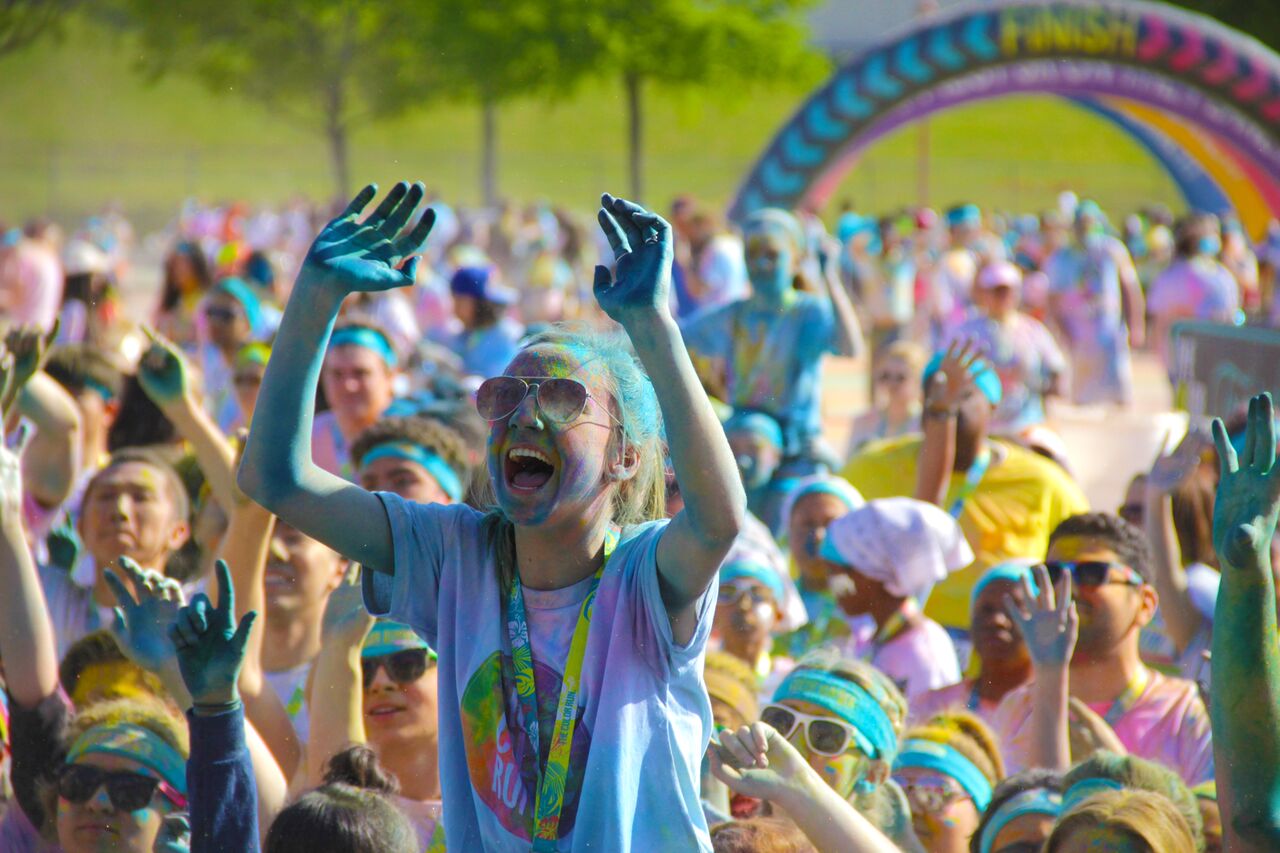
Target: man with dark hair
[417, 458]
[136, 507]
[1154, 716]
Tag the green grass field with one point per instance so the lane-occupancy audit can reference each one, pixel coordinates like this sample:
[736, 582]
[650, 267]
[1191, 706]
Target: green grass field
[79, 128]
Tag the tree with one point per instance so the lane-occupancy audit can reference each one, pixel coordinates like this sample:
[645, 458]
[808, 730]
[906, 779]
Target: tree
[708, 44]
[497, 50]
[1249, 16]
[24, 21]
[324, 64]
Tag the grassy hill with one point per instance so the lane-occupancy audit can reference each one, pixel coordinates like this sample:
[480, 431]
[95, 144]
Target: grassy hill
[78, 128]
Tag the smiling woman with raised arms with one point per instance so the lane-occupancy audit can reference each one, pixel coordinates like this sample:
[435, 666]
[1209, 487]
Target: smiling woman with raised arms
[571, 620]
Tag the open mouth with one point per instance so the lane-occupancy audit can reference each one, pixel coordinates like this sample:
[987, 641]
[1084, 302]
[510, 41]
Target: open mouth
[383, 711]
[528, 469]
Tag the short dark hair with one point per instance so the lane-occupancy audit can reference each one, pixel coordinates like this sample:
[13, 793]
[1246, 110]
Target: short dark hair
[1027, 780]
[181, 500]
[343, 817]
[78, 366]
[427, 433]
[1129, 543]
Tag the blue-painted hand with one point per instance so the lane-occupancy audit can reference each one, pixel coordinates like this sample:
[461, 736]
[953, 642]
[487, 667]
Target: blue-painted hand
[1051, 626]
[1248, 501]
[370, 255]
[642, 249]
[163, 372]
[141, 624]
[210, 645]
[64, 546]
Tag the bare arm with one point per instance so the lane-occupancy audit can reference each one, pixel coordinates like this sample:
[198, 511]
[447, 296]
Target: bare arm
[1050, 628]
[1134, 302]
[27, 642]
[277, 470]
[1245, 692]
[337, 700]
[52, 460]
[697, 539]
[165, 377]
[758, 762]
[849, 340]
[938, 422]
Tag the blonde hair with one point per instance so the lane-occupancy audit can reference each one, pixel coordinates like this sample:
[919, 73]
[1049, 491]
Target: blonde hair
[967, 735]
[638, 499]
[1149, 821]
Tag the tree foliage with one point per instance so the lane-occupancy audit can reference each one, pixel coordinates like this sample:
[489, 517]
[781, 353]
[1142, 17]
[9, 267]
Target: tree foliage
[24, 21]
[1255, 17]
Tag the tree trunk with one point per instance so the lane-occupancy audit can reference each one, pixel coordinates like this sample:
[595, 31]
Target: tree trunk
[339, 158]
[635, 141]
[489, 156]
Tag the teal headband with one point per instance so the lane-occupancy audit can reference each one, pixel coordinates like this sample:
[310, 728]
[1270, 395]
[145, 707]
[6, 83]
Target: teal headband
[1011, 572]
[1086, 788]
[756, 422]
[749, 570]
[360, 336]
[242, 293]
[436, 467]
[1033, 801]
[103, 391]
[944, 758]
[984, 377]
[138, 743]
[873, 731]
[388, 637]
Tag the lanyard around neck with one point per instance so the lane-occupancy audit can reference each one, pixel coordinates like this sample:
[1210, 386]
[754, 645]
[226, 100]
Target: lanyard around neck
[1132, 692]
[895, 625]
[972, 477]
[553, 777]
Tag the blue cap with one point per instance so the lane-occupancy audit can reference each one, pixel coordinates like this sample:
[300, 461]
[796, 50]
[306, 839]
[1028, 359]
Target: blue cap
[964, 214]
[478, 283]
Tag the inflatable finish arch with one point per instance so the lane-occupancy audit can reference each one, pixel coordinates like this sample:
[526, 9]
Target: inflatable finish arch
[1203, 98]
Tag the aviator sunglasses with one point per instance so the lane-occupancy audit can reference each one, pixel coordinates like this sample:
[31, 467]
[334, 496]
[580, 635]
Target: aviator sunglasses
[1093, 573]
[403, 667]
[559, 399]
[127, 791]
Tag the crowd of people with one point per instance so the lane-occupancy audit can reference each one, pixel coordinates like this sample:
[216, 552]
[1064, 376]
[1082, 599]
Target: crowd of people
[398, 528]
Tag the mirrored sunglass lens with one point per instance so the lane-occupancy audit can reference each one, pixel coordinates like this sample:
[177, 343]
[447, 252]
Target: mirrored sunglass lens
[1055, 572]
[827, 737]
[780, 719]
[498, 397]
[562, 399]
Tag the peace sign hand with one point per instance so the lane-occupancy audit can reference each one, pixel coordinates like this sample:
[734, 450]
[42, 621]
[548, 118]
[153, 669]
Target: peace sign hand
[642, 249]
[1050, 629]
[364, 256]
[211, 646]
[1248, 501]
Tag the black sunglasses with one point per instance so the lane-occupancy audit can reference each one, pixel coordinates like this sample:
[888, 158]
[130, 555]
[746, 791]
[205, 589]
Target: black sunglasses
[127, 791]
[220, 315]
[1093, 572]
[404, 667]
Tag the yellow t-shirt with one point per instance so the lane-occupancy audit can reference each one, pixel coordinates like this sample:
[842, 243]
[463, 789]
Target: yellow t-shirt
[1010, 516]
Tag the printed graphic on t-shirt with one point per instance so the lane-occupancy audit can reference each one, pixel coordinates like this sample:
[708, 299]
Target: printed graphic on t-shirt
[504, 772]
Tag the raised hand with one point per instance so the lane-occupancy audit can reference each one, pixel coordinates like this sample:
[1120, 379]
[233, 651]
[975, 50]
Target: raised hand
[359, 256]
[1248, 501]
[1051, 626]
[29, 347]
[757, 762]
[346, 622]
[64, 546]
[210, 645]
[957, 369]
[11, 476]
[141, 623]
[1088, 732]
[1171, 470]
[163, 373]
[642, 249]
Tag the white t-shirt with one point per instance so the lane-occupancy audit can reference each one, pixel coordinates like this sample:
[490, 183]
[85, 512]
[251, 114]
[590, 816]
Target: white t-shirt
[291, 686]
[644, 718]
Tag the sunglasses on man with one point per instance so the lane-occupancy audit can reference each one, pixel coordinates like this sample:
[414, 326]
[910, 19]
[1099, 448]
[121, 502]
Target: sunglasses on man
[403, 667]
[1093, 572]
[128, 792]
